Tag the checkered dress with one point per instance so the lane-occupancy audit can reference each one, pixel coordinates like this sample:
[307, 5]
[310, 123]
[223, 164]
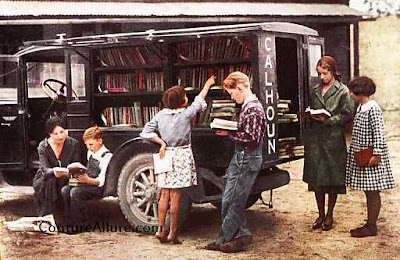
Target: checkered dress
[368, 130]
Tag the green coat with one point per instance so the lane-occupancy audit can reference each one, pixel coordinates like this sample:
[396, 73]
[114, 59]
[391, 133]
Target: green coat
[325, 146]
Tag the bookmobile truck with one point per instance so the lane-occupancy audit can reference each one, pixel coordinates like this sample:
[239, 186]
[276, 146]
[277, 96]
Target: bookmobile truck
[116, 81]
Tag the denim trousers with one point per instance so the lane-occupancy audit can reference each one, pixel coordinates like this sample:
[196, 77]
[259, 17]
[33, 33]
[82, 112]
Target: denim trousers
[75, 198]
[242, 172]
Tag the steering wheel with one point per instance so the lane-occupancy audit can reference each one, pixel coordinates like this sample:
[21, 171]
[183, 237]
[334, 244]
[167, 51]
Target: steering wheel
[57, 90]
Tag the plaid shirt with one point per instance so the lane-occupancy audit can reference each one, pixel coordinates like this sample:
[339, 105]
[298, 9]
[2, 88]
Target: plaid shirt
[252, 124]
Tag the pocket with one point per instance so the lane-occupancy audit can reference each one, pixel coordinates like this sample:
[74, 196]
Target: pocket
[255, 163]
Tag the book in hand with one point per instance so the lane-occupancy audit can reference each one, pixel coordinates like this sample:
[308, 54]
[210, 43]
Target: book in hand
[223, 124]
[320, 111]
[74, 169]
[164, 164]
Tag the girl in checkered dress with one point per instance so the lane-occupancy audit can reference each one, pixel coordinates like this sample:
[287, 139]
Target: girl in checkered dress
[368, 130]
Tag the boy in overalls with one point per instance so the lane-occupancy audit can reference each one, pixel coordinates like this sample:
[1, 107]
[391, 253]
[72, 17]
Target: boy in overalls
[92, 182]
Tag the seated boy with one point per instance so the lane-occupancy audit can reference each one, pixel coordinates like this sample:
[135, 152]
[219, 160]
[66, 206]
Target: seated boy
[75, 197]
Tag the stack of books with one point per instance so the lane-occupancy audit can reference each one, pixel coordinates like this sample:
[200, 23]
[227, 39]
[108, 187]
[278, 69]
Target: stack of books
[289, 147]
[284, 115]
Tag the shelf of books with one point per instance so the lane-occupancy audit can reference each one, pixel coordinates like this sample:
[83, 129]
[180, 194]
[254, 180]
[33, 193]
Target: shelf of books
[136, 116]
[195, 61]
[129, 69]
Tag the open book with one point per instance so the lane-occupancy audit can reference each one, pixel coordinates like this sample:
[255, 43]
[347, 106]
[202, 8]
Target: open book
[223, 124]
[320, 111]
[74, 168]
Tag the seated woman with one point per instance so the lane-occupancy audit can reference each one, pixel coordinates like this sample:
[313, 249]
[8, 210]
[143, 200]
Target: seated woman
[56, 150]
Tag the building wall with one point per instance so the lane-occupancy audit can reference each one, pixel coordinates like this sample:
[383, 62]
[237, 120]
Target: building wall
[380, 59]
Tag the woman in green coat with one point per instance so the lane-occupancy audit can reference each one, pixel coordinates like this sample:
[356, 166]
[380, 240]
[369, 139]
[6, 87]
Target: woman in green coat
[325, 145]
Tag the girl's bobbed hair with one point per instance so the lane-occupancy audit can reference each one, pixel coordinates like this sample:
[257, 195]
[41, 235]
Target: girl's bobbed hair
[174, 97]
[363, 86]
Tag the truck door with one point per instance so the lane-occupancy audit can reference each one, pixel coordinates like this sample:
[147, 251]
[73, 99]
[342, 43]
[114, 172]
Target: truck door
[313, 52]
[13, 115]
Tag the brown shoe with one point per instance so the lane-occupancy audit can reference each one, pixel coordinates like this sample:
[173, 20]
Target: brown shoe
[236, 245]
[211, 246]
[364, 231]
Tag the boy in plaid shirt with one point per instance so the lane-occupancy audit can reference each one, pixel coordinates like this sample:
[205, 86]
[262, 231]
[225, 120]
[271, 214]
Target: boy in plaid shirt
[243, 169]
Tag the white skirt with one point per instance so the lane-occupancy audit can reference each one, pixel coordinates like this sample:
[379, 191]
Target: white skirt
[183, 172]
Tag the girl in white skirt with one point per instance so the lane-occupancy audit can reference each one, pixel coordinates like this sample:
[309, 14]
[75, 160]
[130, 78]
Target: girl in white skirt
[173, 123]
[368, 131]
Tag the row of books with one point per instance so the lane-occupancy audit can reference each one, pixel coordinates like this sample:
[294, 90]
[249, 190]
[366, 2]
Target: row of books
[289, 147]
[132, 56]
[136, 115]
[283, 110]
[218, 108]
[195, 77]
[213, 49]
[131, 82]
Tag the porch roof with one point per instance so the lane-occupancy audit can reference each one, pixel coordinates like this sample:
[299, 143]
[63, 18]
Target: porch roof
[58, 12]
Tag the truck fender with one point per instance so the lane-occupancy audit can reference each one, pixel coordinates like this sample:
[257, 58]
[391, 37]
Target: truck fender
[120, 156]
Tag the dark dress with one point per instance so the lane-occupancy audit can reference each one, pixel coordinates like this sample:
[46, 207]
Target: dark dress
[47, 187]
[325, 146]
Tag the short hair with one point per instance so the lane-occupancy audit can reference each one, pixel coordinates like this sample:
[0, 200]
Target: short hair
[363, 86]
[93, 132]
[174, 97]
[54, 121]
[236, 78]
[328, 62]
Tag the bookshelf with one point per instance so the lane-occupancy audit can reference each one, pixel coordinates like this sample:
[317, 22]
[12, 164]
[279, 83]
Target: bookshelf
[129, 81]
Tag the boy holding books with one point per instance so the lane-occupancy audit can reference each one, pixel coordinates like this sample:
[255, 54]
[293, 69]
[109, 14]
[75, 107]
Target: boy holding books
[243, 169]
[91, 183]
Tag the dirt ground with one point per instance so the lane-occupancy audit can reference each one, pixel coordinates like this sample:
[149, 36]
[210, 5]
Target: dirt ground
[283, 232]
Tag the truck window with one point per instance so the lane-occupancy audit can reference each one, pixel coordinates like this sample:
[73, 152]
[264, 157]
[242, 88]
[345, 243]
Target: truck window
[38, 72]
[8, 82]
[315, 52]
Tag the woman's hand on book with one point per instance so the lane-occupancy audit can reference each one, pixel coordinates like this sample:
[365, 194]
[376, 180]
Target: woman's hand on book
[59, 172]
[319, 118]
[222, 132]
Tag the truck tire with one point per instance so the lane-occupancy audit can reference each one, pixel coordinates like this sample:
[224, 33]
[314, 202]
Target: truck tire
[250, 201]
[137, 191]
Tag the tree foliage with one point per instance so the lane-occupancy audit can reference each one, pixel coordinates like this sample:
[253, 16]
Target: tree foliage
[383, 7]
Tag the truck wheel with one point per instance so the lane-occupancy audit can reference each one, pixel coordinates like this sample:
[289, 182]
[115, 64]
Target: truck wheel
[137, 191]
[250, 201]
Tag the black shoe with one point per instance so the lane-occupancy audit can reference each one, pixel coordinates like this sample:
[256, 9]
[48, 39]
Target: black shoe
[326, 226]
[318, 223]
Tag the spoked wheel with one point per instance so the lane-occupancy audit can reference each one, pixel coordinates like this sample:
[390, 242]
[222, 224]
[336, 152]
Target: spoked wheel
[137, 191]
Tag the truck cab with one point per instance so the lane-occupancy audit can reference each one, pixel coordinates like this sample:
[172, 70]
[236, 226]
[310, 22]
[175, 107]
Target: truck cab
[116, 81]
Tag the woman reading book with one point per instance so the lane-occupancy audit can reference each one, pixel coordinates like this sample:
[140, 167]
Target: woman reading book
[173, 123]
[55, 151]
[368, 132]
[325, 146]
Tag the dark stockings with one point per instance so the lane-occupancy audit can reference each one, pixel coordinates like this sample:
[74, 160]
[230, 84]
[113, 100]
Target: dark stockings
[373, 206]
[320, 198]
